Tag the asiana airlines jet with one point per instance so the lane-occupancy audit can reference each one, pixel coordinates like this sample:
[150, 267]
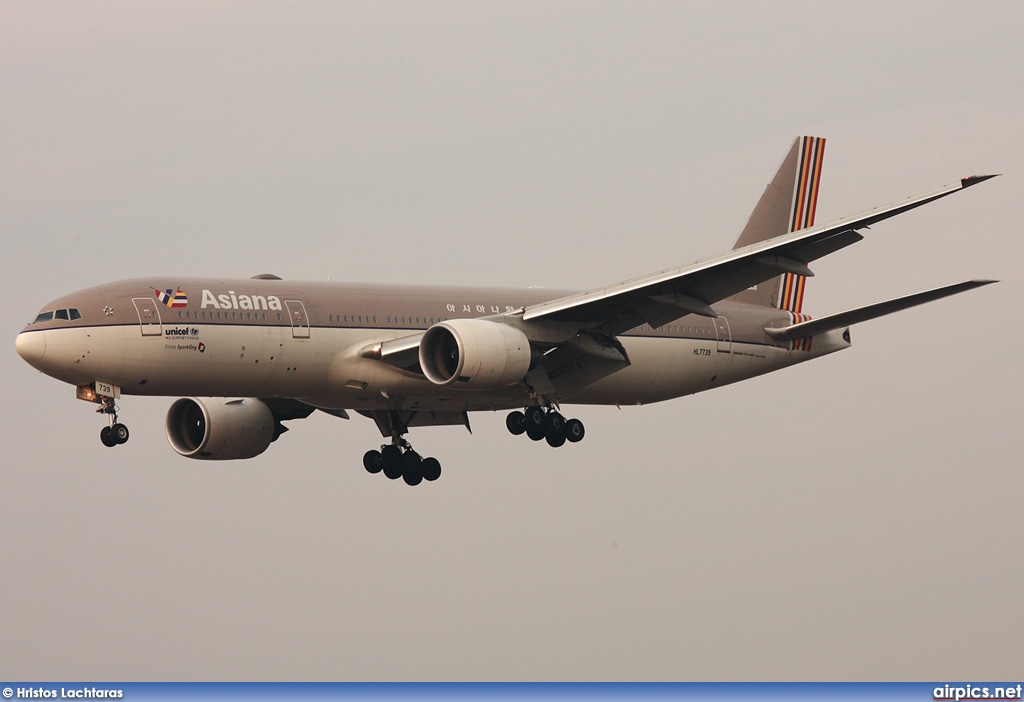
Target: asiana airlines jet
[243, 356]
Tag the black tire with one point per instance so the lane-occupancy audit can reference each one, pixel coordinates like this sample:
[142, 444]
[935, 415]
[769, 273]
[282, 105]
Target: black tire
[554, 424]
[391, 462]
[515, 422]
[574, 430]
[555, 440]
[431, 468]
[554, 429]
[534, 417]
[534, 432]
[120, 433]
[107, 437]
[412, 468]
[372, 462]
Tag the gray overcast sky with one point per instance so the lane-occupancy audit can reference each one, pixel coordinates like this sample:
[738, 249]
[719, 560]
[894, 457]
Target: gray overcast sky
[859, 517]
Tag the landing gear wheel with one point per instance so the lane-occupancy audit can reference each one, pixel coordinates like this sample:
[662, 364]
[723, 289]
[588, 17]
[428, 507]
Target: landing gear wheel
[119, 432]
[372, 461]
[107, 437]
[534, 417]
[554, 429]
[391, 461]
[516, 423]
[554, 424]
[534, 432]
[555, 440]
[574, 430]
[412, 468]
[431, 468]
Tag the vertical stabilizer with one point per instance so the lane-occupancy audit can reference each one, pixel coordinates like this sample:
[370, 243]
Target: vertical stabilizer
[787, 205]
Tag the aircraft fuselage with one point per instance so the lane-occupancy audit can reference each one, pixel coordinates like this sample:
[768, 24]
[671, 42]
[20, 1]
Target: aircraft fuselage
[276, 338]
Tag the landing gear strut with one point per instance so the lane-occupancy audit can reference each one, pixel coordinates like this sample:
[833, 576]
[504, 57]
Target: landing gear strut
[399, 460]
[116, 433]
[545, 423]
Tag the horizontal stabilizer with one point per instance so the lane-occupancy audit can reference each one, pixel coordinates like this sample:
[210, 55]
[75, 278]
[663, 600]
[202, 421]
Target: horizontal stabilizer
[862, 314]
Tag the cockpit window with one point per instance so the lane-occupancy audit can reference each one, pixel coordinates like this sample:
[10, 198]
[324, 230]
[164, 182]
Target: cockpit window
[68, 314]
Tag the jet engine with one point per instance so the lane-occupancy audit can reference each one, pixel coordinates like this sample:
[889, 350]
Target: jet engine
[218, 429]
[474, 353]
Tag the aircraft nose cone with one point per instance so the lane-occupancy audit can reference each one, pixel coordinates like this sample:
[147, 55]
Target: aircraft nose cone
[31, 346]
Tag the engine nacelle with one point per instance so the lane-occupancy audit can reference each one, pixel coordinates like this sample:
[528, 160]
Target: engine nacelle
[474, 353]
[218, 429]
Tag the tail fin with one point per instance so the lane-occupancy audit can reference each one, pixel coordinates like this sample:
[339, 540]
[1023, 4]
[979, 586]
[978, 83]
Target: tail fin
[788, 205]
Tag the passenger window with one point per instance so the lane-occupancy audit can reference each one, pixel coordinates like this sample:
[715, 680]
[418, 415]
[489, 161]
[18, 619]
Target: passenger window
[60, 314]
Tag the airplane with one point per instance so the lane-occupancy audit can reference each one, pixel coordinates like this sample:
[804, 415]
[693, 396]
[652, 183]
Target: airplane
[242, 356]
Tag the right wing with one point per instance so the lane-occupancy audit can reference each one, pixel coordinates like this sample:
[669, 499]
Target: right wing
[661, 297]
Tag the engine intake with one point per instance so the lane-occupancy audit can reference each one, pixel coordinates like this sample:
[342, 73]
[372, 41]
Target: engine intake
[217, 429]
[474, 353]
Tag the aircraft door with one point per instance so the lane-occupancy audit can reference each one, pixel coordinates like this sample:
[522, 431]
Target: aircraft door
[724, 335]
[297, 315]
[149, 316]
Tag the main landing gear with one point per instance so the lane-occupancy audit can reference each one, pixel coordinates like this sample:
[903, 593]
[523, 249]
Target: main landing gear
[116, 433]
[398, 460]
[545, 423]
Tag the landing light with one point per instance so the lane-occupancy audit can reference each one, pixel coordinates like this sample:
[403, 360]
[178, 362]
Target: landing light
[86, 392]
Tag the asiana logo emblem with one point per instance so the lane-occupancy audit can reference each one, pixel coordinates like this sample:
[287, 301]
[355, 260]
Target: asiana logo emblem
[171, 298]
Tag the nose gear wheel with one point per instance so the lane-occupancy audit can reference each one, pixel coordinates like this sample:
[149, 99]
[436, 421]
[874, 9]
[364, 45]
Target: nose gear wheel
[115, 434]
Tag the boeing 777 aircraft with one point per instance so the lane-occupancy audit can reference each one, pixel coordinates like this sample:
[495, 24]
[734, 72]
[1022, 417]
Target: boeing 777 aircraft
[245, 355]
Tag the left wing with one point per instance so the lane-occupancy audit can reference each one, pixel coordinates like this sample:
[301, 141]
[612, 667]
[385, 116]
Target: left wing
[401, 353]
[661, 297]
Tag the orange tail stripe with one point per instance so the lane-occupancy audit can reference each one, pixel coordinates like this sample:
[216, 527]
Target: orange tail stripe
[805, 205]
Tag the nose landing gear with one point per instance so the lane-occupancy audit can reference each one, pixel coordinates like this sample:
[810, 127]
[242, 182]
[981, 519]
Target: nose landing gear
[116, 433]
